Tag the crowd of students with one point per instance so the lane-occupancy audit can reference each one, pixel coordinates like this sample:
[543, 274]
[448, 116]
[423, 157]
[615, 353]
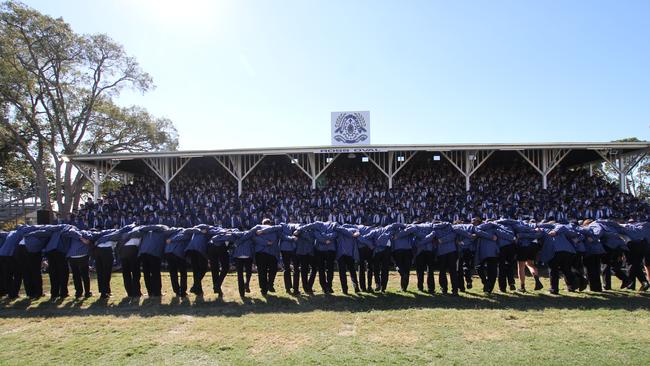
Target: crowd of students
[570, 227]
[587, 253]
[359, 194]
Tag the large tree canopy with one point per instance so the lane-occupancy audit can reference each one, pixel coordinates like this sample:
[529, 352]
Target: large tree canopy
[57, 89]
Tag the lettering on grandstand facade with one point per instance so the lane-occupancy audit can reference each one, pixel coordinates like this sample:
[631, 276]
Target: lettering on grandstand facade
[349, 150]
[351, 128]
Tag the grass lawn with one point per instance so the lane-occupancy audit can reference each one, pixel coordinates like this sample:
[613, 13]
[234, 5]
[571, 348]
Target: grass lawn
[391, 328]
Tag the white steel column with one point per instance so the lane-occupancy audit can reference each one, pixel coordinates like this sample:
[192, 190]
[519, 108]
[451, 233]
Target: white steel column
[622, 164]
[544, 160]
[467, 162]
[96, 173]
[166, 169]
[390, 163]
[313, 165]
[239, 166]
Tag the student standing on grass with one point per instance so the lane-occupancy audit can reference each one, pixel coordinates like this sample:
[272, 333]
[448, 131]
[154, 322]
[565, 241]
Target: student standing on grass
[558, 252]
[365, 258]
[467, 248]
[425, 257]
[609, 233]
[197, 251]
[57, 266]
[219, 258]
[290, 264]
[175, 257]
[593, 252]
[347, 255]
[487, 252]
[151, 252]
[104, 258]
[402, 251]
[128, 252]
[267, 252]
[35, 242]
[243, 256]
[634, 256]
[78, 257]
[306, 259]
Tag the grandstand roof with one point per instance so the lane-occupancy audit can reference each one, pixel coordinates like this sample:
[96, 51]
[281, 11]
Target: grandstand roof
[620, 147]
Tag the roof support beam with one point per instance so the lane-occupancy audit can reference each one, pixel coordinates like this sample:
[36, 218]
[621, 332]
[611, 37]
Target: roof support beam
[544, 160]
[96, 173]
[390, 163]
[166, 169]
[467, 162]
[239, 166]
[623, 164]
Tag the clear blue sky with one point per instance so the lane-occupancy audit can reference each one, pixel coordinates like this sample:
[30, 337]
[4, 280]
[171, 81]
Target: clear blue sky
[268, 73]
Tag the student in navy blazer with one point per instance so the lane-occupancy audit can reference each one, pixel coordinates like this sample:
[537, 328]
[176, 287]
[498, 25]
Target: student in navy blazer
[178, 240]
[347, 255]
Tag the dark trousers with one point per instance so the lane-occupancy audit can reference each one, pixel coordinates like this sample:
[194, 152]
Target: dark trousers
[578, 269]
[104, 268]
[403, 259]
[80, 275]
[382, 266]
[346, 264]
[24, 265]
[465, 269]
[365, 266]
[424, 262]
[199, 267]
[325, 263]
[561, 262]
[448, 264]
[634, 258]
[308, 270]
[219, 265]
[507, 263]
[35, 261]
[177, 270]
[10, 276]
[612, 264]
[487, 271]
[151, 274]
[59, 273]
[592, 263]
[290, 259]
[244, 265]
[131, 270]
[267, 268]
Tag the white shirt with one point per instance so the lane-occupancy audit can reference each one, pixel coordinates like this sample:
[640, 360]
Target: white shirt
[133, 241]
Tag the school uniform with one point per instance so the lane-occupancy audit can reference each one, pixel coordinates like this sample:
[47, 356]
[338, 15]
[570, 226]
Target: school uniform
[219, 257]
[58, 270]
[467, 250]
[306, 259]
[130, 262]
[609, 234]
[78, 258]
[150, 254]
[634, 256]
[35, 242]
[425, 257]
[381, 239]
[267, 252]
[402, 251]
[197, 251]
[347, 255]
[558, 252]
[487, 254]
[175, 256]
[243, 256]
[594, 250]
[365, 258]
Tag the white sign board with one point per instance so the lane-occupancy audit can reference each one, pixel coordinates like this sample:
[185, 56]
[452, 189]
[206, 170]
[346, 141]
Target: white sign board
[351, 128]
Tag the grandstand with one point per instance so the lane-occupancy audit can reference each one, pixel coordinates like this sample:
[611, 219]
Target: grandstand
[371, 184]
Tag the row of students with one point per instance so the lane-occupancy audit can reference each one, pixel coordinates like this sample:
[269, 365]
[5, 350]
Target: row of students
[497, 249]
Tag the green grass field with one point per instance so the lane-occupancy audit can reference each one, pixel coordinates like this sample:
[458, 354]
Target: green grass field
[391, 328]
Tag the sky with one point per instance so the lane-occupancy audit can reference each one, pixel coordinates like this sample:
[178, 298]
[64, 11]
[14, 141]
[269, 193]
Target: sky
[241, 74]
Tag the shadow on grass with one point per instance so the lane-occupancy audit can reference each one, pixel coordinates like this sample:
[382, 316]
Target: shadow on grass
[365, 302]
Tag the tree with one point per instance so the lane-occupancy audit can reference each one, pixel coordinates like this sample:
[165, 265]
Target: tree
[638, 182]
[57, 89]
